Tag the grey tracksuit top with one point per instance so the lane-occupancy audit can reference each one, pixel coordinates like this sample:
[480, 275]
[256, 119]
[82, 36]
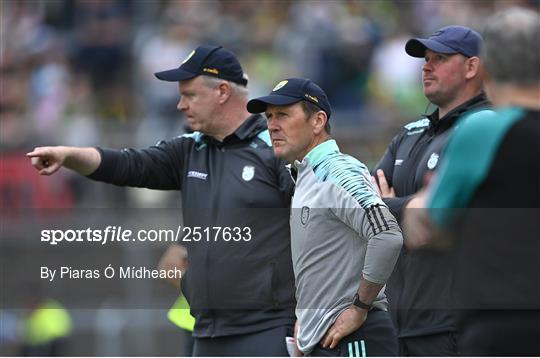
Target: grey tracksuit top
[341, 231]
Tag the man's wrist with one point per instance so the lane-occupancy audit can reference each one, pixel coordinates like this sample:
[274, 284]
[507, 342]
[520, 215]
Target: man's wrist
[359, 304]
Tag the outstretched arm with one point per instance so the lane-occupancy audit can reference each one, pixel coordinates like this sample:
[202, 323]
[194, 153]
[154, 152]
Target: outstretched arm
[156, 167]
[47, 160]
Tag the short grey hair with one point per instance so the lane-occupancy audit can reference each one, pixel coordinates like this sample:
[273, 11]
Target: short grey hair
[310, 109]
[236, 88]
[511, 46]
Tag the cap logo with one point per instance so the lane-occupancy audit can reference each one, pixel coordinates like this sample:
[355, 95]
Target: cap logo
[188, 57]
[437, 33]
[313, 98]
[280, 85]
[211, 70]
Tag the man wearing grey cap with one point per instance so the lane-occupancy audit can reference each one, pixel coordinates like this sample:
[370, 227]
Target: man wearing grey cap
[419, 290]
[344, 240]
[240, 283]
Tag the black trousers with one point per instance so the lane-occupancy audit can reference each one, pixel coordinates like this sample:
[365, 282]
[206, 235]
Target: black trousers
[267, 343]
[376, 338]
[433, 345]
[186, 343]
[500, 333]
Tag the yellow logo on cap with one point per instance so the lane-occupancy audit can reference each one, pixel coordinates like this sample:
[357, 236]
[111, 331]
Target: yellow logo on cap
[280, 85]
[188, 57]
[313, 98]
[211, 70]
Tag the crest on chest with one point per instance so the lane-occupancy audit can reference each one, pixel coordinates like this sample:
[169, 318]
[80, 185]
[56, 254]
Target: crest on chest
[248, 172]
[433, 160]
[304, 215]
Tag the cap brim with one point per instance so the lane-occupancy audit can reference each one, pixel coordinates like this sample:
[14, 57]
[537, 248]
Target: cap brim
[258, 105]
[175, 75]
[417, 47]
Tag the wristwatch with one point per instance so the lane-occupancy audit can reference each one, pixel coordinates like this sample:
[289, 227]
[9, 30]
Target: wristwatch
[360, 304]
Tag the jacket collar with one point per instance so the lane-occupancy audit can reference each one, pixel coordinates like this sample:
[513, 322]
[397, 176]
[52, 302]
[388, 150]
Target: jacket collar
[251, 127]
[442, 124]
[320, 152]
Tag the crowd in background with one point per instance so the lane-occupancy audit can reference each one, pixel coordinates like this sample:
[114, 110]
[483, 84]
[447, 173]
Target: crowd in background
[81, 72]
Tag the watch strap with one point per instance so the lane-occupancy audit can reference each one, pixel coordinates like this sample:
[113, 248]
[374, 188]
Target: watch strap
[360, 304]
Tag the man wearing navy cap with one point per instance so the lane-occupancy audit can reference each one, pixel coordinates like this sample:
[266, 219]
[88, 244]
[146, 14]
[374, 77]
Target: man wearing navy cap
[240, 283]
[344, 240]
[496, 241]
[419, 290]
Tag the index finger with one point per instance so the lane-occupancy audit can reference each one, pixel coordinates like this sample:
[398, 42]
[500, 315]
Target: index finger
[383, 184]
[35, 153]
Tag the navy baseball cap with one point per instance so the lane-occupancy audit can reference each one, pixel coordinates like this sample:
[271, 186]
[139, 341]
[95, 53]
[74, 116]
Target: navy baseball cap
[448, 40]
[290, 91]
[207, 60]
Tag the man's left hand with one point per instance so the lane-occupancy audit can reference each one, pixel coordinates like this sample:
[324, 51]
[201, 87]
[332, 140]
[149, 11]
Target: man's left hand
[347, 322]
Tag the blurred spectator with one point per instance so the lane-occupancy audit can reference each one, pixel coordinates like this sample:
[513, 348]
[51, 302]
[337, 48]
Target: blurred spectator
[45, 329]
[101, 50]
[159, 115]
[395, 77]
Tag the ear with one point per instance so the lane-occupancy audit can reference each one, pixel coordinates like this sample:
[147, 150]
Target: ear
[319, 121]
[224, 92]
[472, 67]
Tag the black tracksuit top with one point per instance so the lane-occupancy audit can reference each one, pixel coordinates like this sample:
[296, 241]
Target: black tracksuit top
[232, 287]
[419, 290]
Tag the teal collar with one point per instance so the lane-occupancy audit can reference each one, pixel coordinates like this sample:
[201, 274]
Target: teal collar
[317, 154]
